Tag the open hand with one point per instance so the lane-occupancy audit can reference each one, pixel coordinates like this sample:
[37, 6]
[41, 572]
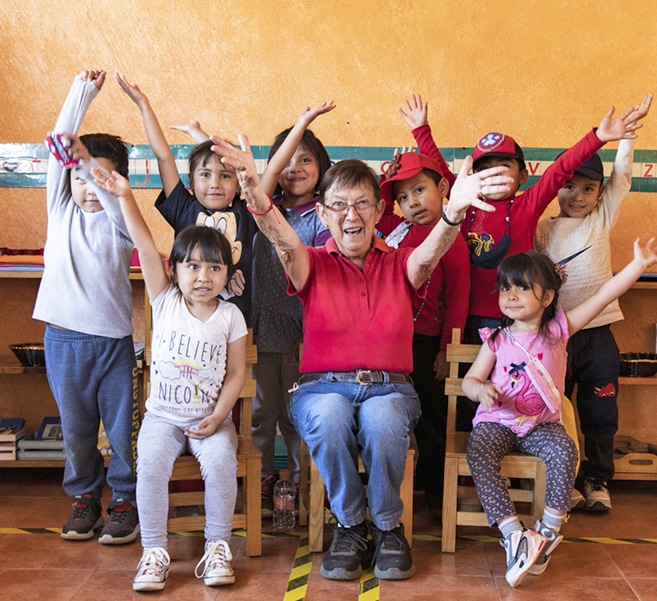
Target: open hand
[416, 113]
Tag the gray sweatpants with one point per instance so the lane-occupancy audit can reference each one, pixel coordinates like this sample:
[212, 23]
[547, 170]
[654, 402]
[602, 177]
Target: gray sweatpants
[160, 442]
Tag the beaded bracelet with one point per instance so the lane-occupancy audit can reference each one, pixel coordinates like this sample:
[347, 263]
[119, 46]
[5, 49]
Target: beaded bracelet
[451, 223]
[261, 213]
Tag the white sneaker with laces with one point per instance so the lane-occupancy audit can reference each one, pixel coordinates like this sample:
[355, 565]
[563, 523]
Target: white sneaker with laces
[552, 540]
[153, 570]
[217, 558]
[597, 495]
[522, 550]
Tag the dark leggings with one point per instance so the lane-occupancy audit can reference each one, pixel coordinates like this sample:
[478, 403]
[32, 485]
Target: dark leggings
[490, 442]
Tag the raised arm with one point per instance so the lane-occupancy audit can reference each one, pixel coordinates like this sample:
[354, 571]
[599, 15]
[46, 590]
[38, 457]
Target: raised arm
[155, 275]
[166, 162]
[622, 127]
[291, 251]
[416, 117]
[282, 157]
[468, 191]
[194, 130]
[580, 315]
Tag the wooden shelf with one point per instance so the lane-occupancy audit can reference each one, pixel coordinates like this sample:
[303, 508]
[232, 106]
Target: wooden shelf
[42, 463]
[36, 275]
[10, 365]
[638, 381]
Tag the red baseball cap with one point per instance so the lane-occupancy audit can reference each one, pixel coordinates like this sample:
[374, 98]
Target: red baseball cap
[497, 144]
[405, 166]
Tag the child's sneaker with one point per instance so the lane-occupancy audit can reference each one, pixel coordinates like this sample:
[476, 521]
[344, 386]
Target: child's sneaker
[153, 570]
[522, 550]
[597, 495]
[217, 558]
[577, 500]
[85, 517]
[552, 539]
[122, 527]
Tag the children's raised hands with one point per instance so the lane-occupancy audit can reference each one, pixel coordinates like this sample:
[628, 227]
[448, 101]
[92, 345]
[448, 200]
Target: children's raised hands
[193, 129]
[416, 113]
[647, 254]
[98, 77]
[639, 112]
[618, 128]
[310, 114]
[132, 90]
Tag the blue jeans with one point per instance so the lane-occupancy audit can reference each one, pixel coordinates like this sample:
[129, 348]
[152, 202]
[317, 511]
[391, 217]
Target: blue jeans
[94, 378]
[337, 421]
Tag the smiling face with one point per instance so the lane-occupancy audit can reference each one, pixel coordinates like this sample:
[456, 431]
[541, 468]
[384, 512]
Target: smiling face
[83, 194]
[354, 230]
[298, 180]
[513, 170]
[214, 184]
[579, 196]
[420, 198]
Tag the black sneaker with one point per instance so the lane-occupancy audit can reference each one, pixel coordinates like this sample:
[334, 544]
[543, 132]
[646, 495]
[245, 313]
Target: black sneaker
[392, 555]
[122, 527]
[85, 518]
[344, 559]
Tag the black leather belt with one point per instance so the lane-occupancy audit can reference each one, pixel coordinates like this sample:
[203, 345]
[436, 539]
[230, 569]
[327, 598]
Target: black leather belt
[360, 376]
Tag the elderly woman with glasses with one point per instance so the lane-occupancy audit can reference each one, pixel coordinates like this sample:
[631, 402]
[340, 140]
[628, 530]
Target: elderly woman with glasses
[355, 395]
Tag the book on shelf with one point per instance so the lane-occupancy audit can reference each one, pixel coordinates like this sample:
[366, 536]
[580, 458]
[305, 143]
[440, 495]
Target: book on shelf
[50, 429]
[7, 451]
[11, 429]
[33, 443]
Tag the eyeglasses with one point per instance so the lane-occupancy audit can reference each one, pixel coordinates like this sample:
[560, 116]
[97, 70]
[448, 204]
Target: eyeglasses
[362, 207]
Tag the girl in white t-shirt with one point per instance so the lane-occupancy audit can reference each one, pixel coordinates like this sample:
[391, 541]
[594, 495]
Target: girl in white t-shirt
[197, 373]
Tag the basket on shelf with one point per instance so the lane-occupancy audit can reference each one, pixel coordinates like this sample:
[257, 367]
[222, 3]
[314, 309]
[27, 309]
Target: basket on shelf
[30, 354]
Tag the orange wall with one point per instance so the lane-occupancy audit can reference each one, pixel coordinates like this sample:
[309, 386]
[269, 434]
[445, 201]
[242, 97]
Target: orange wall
[544, 72]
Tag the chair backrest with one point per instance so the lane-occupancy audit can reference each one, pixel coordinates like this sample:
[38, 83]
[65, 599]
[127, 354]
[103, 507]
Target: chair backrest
[458, 355]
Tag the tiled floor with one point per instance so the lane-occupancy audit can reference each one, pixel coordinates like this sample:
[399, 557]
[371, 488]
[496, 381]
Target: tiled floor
[605, 557]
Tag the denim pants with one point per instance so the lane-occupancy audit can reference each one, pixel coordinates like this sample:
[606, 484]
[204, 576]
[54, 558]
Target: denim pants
[337, 420]
[94, 378]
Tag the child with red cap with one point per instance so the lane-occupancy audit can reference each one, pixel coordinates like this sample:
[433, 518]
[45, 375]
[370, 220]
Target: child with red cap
[588, 211]
[511, 227]
[416, 183]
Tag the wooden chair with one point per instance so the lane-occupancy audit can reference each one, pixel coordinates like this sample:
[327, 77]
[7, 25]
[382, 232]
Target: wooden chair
[249, 459]
[312, 501]
[515, 465]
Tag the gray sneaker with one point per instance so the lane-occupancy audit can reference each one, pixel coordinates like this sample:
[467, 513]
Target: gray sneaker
[577, 500]
[122, 526]
[523, 548]
[86, 516]
[392, 555]
[597, 495]
[348, 550]
[552, 541]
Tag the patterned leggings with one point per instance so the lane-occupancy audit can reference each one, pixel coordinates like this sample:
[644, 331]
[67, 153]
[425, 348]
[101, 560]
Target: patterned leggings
[490, 442]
